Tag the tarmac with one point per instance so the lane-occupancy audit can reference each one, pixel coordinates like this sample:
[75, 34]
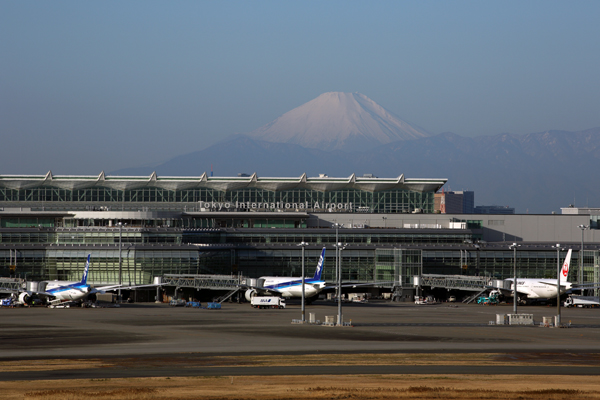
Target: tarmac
[156, 339]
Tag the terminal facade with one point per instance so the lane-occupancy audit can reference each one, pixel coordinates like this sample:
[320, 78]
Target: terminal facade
[251, 226]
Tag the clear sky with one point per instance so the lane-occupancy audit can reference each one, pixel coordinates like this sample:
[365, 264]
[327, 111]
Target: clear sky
[87, 86]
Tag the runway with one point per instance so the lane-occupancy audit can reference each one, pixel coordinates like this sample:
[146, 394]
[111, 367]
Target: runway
[185, 340]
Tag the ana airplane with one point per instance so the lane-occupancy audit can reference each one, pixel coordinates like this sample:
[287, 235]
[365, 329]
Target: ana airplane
[289, 286]
[292, 286]
[61, 291]
[544, 288]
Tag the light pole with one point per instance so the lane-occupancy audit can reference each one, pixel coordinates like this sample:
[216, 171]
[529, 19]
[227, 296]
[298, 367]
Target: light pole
[120, 247]
[557, 284]
[580, 274]
[336, 226]
[303, 244]
[384, 222]
[120, 236]
[339, 247]
[514, 247]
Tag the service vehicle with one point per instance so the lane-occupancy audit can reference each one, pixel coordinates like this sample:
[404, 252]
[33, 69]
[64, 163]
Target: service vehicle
[582, 301]
[490, 300]
[268, 302]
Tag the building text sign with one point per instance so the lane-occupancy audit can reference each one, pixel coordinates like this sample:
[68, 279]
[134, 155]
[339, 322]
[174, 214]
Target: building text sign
[226, 206]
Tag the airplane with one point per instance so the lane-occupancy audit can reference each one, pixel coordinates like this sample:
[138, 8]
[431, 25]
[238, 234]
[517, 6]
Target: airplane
[292, 286]
[535, 289]
[289, 286]
[60, 291]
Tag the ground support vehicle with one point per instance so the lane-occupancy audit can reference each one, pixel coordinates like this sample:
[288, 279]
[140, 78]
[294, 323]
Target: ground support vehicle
[582, 301]
[488, 300]
[268, 302]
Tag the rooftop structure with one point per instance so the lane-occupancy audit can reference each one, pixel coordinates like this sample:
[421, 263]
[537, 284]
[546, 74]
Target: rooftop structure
[323, 183]
[351, 194]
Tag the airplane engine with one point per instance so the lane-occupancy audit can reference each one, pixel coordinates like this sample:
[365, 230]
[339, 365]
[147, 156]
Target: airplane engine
[250, 293]
[23, 298]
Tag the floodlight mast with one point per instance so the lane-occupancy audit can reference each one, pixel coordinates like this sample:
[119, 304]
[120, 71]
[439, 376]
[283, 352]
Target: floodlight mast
[558, 249]
[120, 247]
[303, 244]
[580, 272]
[339, 246]
[514, 247]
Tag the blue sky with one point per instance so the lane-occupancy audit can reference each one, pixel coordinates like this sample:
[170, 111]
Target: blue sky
[92, 86]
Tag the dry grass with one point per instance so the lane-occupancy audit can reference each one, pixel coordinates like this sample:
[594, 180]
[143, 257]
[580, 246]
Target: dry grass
[311, 387]
[50, 365]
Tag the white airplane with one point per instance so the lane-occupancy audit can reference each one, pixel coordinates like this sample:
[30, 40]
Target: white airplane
[290, 286]
[61, 291]
[544, 288]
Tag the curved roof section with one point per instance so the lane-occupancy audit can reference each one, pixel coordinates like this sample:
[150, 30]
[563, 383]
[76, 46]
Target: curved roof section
[322, 183]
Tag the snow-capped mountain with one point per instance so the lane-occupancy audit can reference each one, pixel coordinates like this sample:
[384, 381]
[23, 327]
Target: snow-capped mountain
[338, 121]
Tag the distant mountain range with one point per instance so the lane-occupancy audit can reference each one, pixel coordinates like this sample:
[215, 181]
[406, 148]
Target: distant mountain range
[535, 173]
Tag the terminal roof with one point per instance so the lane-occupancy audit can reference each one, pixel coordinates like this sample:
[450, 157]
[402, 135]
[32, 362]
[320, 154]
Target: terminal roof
[322, 184]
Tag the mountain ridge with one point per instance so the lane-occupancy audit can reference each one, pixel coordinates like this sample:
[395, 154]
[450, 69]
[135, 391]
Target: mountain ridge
[538, 172]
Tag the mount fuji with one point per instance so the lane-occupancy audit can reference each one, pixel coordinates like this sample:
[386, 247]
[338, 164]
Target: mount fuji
[338, 121]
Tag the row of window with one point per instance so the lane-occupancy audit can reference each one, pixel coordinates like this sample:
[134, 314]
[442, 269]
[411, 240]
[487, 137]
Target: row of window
[140, 266]
[397, 200]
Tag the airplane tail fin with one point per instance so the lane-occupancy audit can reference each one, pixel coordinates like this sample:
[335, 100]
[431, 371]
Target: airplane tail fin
[85, 271]
[319, 269]
[565, 268]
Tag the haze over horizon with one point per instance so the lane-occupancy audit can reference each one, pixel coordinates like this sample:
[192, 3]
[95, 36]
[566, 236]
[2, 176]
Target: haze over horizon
[92, 86]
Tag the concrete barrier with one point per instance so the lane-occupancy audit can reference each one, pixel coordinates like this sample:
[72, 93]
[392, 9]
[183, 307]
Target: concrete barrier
[520, 319]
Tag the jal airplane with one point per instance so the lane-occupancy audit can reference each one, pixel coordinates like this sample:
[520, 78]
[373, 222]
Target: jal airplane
[544, 288]
[290, 286]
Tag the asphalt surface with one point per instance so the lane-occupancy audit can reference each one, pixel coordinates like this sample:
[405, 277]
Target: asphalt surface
[183, 340]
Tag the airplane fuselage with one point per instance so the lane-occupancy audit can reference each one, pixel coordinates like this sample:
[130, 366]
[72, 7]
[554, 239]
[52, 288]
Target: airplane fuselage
[539, 288]
[292, 286]
[71, 292]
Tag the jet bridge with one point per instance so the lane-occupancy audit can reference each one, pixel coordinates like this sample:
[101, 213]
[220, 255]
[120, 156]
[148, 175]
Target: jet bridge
[11, 285]
[231, 283]
[211, 282]
[477, 284]
[458, 282]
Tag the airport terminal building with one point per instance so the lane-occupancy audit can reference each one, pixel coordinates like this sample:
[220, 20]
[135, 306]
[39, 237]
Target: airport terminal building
[251, 226]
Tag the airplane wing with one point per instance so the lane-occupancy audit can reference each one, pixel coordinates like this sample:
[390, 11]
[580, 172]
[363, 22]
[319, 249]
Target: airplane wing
[260, 290]
[553, 284]
[504, 291]
[587, 286]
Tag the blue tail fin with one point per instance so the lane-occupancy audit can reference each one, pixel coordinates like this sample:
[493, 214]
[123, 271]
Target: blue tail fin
[319, 269]
[85, 271]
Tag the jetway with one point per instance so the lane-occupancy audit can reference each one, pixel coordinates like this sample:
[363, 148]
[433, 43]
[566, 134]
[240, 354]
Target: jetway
[457, 282]
[230, 283]
[11, 285]
[211, 282]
